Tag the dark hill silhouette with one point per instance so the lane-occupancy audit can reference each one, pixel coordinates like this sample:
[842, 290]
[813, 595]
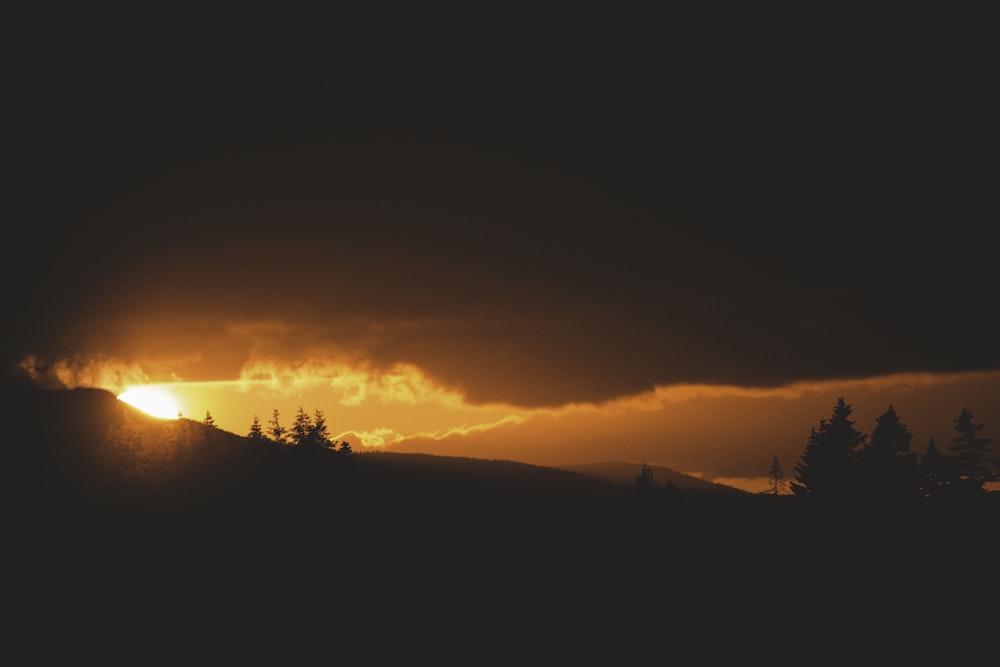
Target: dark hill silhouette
[257, 540]
[58, 441]
[623, 472]
[65, 433]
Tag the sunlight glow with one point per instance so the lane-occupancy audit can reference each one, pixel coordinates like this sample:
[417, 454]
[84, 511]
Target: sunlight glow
[150, 400]
[685, 427]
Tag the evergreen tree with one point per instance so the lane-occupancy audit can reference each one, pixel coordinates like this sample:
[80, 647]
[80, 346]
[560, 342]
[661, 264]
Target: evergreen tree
[645, 484]
[345, 449]
[256, 431]
[777, 477]
[276, 431]
[973, 458]
[319, 433]
[210, 448]
[887, 468]
[827, 465]
[301, 428]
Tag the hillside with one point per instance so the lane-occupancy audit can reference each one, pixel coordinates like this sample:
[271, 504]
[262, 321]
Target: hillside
[64, 437]
[179, 529]
[430, 474]
[622, 472]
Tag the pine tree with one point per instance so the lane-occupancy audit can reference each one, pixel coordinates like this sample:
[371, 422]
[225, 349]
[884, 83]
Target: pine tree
[301, 428]
[276, 431]
[972, 457]
[827, 465]
[777, 477]
[210, 449]
[886, 467]
[256, 431]
[319, 433]
[645, 483]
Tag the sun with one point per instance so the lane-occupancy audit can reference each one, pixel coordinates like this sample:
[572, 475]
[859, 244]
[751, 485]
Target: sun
[152, 401]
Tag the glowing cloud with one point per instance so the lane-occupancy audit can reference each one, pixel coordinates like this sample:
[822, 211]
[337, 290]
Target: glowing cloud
[383, 437]
[85, 371]
[351, 385]
[722, 433]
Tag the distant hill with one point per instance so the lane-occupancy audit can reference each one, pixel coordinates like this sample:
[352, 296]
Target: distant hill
[622, 472]
[155, 518]
[85, 448]
[427, 472]
[69, 430]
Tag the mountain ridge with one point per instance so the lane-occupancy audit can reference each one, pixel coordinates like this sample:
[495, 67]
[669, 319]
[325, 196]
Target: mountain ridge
[87, 414]
[625, 472]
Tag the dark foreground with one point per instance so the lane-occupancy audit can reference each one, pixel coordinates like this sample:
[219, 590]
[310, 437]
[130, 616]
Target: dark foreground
[376, 561]
[485, 581]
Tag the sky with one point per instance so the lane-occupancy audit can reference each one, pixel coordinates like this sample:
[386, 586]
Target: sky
[681, 256]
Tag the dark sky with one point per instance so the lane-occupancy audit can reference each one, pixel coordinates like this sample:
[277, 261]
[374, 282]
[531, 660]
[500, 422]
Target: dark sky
[529, 230]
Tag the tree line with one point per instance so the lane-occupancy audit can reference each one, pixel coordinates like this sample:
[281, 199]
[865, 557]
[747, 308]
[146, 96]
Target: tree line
[838, 462]
[841, 462]
[306, 431]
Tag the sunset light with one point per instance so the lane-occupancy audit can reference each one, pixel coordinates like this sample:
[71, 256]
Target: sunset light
[636, 339]
[150, 400]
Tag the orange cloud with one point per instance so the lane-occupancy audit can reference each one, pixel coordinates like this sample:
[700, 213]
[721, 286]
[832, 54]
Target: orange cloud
[386, 437]
[723, 433]
[93, 371]
[351, 385]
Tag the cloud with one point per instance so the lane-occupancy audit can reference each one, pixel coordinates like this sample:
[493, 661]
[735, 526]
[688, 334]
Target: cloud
[112, 374]
[450, 250]
[725, 433]
[349, 385]
[387, 438]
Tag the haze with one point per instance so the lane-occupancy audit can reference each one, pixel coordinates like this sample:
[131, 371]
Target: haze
[667, 263]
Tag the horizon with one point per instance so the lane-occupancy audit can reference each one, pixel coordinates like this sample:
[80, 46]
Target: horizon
[576, 433]
[680, 262]
[676, 242]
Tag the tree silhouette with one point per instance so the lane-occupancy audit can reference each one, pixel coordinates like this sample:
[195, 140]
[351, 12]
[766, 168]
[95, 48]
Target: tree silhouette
[319, 433]
[886, 468]
[973, 458]
[276, 431]
[256, 431]
[777, 477]
[645, 484]
[301, 428]
[211, 444]
[827, 466]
